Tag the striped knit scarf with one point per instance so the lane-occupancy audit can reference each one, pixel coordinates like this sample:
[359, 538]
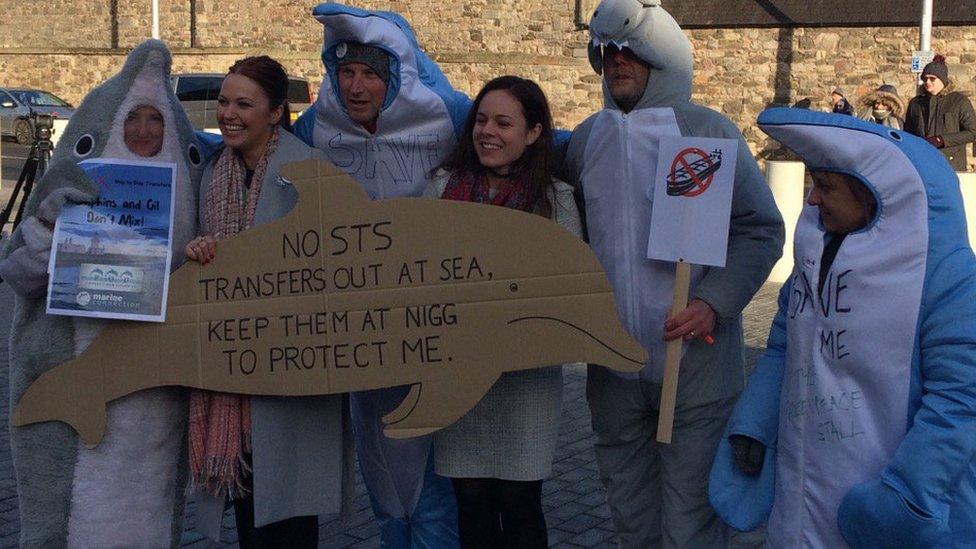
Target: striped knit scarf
[220, 423]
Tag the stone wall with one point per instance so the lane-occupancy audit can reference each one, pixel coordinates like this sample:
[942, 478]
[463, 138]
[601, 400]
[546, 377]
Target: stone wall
[738, 71]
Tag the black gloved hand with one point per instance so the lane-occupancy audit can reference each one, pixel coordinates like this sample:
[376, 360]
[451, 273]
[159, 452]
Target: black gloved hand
[748, 454]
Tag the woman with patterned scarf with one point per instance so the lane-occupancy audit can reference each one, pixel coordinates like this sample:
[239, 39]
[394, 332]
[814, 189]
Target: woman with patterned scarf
[498, 454]
[281, 461]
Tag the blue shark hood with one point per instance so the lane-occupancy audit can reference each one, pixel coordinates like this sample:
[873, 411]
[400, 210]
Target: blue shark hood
[418, 123]
[650, 32]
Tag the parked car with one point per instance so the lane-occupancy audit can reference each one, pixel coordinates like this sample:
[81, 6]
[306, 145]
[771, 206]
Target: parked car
[16, 105]
[198, 93]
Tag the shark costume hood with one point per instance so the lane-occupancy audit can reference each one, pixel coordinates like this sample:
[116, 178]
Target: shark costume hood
[650, 32]
[611, 154]
[866, 396]
[418, 123]
[128, 491]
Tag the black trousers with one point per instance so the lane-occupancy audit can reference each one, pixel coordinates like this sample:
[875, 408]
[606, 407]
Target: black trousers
[495, 513]
[295, 532]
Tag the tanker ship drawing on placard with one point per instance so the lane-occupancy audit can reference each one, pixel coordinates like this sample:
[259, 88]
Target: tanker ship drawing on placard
[690, 175]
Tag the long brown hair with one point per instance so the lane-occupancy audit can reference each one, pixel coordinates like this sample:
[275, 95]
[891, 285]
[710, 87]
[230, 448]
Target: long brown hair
[537, 158]
[273, 80]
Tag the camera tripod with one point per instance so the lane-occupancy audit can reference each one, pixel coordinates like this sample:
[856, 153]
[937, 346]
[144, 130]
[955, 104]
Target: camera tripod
[34, 167]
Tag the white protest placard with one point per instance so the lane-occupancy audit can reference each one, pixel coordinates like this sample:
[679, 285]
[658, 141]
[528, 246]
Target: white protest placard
[692, 195]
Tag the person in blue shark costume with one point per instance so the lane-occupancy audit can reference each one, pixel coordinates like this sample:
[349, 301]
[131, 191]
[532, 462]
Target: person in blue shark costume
[858, 426]
[390, 143]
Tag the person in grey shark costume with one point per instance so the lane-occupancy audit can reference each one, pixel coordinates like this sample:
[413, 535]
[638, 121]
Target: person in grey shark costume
[129, 490]
[657, 492]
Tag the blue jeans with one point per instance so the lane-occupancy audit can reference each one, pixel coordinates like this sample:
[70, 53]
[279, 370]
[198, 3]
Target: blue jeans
[433, 524]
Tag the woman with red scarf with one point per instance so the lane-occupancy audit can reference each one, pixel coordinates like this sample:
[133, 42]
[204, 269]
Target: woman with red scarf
[281, 461]
[498, 454]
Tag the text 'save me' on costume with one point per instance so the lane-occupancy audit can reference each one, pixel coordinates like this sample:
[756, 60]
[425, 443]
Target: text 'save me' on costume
[866, 396]
[416, 129]
[657, 493]
[129, 490]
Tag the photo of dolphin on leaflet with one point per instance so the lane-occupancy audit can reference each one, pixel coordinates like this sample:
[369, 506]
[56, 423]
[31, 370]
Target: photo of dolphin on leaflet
[347, 294]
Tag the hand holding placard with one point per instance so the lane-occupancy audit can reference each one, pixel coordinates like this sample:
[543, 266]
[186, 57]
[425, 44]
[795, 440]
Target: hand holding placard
[689, 224]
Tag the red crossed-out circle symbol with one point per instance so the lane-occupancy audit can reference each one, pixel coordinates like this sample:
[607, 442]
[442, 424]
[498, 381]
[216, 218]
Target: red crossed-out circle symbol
[685, 159]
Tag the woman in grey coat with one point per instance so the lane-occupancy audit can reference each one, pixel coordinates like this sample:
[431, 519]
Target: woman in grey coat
[498, 454]
[282, 461]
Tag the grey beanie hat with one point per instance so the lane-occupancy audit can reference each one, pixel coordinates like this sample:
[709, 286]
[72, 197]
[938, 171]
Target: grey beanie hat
[938, 69]
[371, 56]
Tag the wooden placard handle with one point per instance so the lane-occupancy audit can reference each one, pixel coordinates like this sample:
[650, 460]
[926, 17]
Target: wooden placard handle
[672, 361]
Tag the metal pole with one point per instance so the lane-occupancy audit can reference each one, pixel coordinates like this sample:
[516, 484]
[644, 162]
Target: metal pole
[155, 4]
[924, 37]
[925, 32]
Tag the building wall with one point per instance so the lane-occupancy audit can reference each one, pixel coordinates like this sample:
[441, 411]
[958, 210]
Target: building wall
[738, 71]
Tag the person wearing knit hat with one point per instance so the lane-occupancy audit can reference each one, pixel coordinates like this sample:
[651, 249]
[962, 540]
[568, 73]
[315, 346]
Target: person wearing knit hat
[883, 106]
[937, 68]
[364, 78]
[943, 117]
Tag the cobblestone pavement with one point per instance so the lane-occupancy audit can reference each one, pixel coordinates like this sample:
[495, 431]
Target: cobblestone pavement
[574, 499]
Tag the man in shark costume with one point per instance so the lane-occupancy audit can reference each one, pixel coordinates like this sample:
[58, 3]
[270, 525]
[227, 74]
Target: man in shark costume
[129, 490]
[865, 401]
[657, 492]
[416, 128]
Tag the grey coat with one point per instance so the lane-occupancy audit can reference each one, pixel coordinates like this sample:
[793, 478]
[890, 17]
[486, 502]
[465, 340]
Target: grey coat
[301, 446]
[511, 433]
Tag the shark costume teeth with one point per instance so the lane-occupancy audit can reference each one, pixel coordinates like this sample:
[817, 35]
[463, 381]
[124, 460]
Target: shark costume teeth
[893, 467]
[129, 490]
[644, 27]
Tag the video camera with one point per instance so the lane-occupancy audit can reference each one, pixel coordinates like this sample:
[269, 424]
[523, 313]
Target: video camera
[43, 125]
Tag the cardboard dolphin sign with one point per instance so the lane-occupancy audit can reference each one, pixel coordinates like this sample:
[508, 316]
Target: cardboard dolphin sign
[346, 294]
